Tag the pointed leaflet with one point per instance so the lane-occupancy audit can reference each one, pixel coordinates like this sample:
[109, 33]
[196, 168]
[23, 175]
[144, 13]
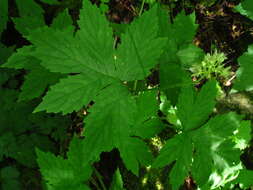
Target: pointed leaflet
[33, 86]
[73, 92]
[65, 174]
[109, 125]
[178, 149]
[90, 50]
[140, 47]
[36, 83]
[63, 20]
[31, 16]
[134, 152]
[244, 74]
[194, 110]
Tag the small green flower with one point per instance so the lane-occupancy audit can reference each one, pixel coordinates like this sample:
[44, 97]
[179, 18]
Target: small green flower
[211, 67]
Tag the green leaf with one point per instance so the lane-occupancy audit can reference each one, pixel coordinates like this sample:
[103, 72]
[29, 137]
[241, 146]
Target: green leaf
[140, 48]
[113, 117]
[26, 24]
[24, 151]
[10, 178]
[178, 149]
[244, 74]
[115, 125]
[67, 173]
[245, 8]
[63, 20]
[32, 86]
[193, 110]
[31, 16]
[134, 152]
[190, 55]
[245, 179]
[72, 93]
[243, 135]
[36, 82]
[117, 182]
[90, 50]
[204, 151]
[21, 59]
[29, 8]
[147, 122]
[214, 149]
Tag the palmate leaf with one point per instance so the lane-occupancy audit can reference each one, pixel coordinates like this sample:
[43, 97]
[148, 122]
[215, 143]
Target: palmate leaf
[97, 74]
[201, 149]
[91, 51]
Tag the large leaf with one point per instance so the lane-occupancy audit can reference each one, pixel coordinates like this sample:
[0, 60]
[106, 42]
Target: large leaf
[203, 148]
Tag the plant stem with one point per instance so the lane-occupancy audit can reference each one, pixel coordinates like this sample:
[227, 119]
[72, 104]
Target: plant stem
[135, 85]
[93, 181]
[142, 6]
[99, 178]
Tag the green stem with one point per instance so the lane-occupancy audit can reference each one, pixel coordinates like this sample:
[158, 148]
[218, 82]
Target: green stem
[135, 85]
[99, 178]
[93, 181]
[142, 6]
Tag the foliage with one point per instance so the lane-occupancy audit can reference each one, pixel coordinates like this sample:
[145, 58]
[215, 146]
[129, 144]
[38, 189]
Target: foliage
[98, 73]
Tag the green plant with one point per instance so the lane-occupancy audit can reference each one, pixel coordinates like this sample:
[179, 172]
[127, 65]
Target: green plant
[81, 69]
